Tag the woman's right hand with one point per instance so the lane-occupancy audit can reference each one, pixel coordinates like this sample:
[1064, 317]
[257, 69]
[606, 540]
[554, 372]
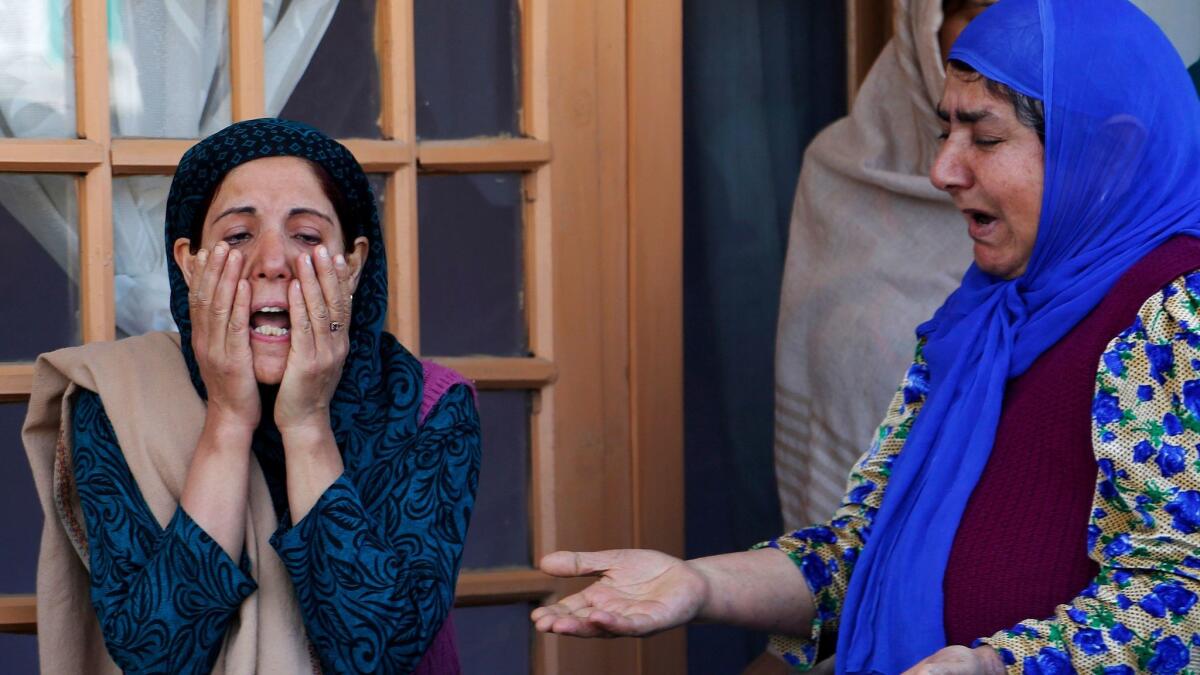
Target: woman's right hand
[640, 592]
[219, 305]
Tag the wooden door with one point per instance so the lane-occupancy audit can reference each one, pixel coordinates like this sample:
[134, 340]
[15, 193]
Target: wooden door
[587, 389]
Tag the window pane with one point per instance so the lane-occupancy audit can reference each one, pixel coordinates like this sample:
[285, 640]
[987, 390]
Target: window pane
[472, 282]
[168, 68]
[20, 653]
[20, 532]
[21, 528]
[338, 92]
[39, 263]
[494, 640]
[143, 296]
[468, 64]
[499, 532]
[37, 73]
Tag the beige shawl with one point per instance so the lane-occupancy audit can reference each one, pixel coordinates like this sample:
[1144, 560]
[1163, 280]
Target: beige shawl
[874, 249]
[157, 417]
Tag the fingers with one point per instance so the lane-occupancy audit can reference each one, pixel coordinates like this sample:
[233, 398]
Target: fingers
[578, 563]
[314, 299]
[238, 336]
[302, 329]
[591, 622]
[222, 299]
[211, 263]
[332, 285]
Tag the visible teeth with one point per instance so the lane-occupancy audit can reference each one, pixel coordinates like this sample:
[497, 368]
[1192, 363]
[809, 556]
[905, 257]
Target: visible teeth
[271, 330]
[273, 309]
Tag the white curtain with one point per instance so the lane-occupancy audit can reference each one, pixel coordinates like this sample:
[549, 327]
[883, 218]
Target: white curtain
[169, 78]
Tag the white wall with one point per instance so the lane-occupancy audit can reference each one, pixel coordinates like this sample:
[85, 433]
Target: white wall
[1180, 20]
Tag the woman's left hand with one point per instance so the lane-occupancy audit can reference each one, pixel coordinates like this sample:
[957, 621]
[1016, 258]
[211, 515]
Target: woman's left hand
[319, 307]
[960, 661]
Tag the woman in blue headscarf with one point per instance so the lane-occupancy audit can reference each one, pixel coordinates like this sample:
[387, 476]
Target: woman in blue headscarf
[1032, 499]
[279, 487]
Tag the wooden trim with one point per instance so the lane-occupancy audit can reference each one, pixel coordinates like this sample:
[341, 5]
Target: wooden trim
[18, 614]
[154, 156]
[503, 587]
[26, 155]
[502, 373]
[394, 46]
[538, 261]
[483, 155]
[97, 313]
[581, 451]
[160, 156]
[868, 29]
[97, 301]
[16, 381]
[246, 69]
[378, 156]
[90, 28]
[656, 294]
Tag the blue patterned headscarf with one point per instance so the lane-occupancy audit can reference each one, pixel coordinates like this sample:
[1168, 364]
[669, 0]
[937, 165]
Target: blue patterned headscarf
[1122, 175]
[375, 402]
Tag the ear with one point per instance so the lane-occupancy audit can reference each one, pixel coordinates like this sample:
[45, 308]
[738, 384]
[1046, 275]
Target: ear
[184, 258]
[356, 258]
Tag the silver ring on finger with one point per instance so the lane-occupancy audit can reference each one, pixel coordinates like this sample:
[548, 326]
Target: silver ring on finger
[335, 326]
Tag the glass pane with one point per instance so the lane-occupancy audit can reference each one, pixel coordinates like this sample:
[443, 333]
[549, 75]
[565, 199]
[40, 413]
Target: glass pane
[21, 526]
[499, 532]
[338, 92]
[20, 653]
[472, 271]
[37, 72]
[39, 263]
[143, 296]
[168, 68]
[468, 68]
[494, 640]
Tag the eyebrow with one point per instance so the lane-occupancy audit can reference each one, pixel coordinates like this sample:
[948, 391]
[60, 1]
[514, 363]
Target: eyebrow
[965, 116]
[298, 211]
[304, 210]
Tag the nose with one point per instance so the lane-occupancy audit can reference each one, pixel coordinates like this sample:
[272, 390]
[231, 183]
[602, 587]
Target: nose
[267, 258]
[950, 171]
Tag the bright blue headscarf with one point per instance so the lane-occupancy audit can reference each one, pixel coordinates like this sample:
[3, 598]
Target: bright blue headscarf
[1122, 175]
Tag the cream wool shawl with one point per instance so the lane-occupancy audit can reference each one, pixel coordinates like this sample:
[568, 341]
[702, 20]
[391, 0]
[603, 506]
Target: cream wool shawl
[157, 417]
[873, 249]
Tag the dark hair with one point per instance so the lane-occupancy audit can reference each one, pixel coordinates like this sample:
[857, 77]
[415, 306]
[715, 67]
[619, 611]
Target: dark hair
[345, 215]
[1029, 110]
[952, 6]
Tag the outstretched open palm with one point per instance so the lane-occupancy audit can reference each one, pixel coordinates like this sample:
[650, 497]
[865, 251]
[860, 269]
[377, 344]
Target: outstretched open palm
[639, 592]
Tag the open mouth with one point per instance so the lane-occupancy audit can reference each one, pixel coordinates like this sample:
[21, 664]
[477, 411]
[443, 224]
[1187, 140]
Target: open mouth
[979, 217]
[271, 321]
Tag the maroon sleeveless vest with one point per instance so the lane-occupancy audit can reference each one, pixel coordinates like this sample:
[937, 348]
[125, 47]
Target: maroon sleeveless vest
[1021, 547]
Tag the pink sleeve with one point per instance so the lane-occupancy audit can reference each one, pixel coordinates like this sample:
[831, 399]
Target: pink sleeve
[438, 380]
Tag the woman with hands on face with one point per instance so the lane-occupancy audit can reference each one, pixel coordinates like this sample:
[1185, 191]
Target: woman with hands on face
[1030, 502]
[281, 487]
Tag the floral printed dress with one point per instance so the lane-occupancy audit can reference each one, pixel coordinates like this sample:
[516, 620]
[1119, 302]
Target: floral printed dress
[1139, 614]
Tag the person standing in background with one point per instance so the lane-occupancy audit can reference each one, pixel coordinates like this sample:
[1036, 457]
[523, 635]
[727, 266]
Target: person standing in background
[873, 250]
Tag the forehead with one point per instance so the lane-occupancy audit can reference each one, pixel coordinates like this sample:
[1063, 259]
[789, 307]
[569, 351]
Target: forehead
[968, 99]
[270, 178]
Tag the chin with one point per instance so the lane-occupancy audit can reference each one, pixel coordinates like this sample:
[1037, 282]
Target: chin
[997, 266]
[268, 368]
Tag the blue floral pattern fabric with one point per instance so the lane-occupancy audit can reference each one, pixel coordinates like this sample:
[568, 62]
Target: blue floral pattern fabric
[367, 573]
[1140, 613]
[164, 597]
[370, 560]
